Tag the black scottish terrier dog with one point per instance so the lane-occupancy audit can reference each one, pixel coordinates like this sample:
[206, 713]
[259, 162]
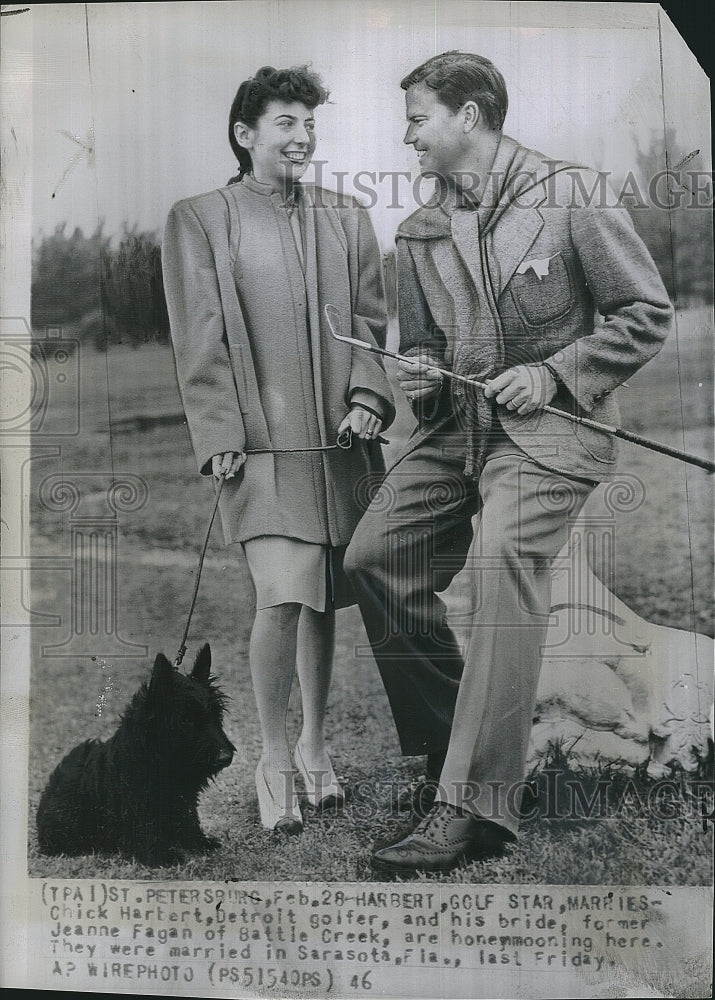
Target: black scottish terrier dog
[136, 794]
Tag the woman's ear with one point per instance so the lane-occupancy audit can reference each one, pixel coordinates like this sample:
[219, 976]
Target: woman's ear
[243, 134]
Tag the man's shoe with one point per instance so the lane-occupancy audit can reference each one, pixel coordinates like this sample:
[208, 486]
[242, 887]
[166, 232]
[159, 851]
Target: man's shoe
[444, 840]
[416, 798]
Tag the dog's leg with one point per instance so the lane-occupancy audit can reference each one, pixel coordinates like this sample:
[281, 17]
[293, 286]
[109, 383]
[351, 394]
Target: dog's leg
[190, 835]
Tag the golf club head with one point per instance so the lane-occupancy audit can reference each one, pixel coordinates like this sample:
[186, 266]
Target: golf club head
[332, 314]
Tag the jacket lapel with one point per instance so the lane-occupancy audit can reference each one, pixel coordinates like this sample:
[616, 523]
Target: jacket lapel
[506, 244]
[510, 241]
[508, 226]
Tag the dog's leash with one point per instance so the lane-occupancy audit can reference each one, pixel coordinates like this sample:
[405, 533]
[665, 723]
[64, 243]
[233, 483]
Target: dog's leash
[344, 442]
[182, 647]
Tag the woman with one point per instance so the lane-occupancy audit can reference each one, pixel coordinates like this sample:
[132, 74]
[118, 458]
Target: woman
[248, 270]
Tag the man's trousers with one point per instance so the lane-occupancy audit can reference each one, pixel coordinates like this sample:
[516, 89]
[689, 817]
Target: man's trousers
[412, 541]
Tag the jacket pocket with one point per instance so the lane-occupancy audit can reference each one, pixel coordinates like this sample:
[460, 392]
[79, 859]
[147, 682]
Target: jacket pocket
[599, 446]
[541, 300]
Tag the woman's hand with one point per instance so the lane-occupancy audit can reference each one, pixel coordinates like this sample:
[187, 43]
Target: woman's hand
[418, 380]
[361, 422]
[227, 464]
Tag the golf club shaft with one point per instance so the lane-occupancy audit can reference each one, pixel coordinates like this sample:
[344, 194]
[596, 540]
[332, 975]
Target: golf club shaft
[595, 425]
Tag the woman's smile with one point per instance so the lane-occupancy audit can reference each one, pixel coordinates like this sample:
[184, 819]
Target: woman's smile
[296, 155]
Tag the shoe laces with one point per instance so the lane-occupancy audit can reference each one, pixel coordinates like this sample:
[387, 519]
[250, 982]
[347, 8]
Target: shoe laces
[434, 827]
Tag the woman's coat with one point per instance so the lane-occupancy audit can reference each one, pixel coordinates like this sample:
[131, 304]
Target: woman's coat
[257, 366]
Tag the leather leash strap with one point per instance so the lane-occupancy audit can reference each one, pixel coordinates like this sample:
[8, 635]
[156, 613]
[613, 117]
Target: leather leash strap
[182, 647]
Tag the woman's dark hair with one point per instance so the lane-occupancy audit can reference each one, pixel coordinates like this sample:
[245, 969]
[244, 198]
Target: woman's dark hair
[269, 84]
[458, 77]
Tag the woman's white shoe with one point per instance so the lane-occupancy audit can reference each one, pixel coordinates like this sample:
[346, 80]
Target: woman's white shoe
[278, 813]
[321, 785]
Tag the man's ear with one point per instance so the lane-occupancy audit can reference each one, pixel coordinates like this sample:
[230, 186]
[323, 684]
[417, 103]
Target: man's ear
[243, 134]
[471, 114]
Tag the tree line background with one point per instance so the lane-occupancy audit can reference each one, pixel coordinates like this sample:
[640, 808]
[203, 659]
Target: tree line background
[105, 293]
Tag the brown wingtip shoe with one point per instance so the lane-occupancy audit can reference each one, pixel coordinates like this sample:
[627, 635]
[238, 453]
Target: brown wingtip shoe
[444, 840]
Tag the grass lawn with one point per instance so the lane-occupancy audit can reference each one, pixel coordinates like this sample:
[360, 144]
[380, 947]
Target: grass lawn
[663, 570]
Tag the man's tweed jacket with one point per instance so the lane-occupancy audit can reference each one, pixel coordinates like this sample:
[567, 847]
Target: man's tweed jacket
[573, 285]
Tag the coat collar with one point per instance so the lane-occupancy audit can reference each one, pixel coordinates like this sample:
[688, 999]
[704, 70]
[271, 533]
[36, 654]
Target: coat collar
[268, 191]
[258, 187]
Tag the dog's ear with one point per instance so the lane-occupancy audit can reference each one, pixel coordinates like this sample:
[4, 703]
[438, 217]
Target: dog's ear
[202, 666]
[162, 678]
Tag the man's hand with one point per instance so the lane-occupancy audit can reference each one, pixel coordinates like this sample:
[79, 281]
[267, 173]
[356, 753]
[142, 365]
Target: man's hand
[524, 388]
[361, 422]
[227, 464]
[418, 380]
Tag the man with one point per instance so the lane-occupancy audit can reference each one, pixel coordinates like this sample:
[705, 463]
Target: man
[501, 276]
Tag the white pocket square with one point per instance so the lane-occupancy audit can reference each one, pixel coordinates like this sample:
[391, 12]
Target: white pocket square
[539, 265]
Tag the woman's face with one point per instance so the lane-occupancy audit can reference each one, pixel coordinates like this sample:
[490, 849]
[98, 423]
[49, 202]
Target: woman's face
[281, 143]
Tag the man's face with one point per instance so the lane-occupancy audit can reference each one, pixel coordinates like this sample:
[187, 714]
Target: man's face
[282, 142]
[436, 133]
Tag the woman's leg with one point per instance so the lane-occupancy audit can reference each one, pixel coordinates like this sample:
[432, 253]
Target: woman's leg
[316, 646]
[272, 657]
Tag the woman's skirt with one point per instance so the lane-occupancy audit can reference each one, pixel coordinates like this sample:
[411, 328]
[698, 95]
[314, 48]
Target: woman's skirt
[290, 571]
